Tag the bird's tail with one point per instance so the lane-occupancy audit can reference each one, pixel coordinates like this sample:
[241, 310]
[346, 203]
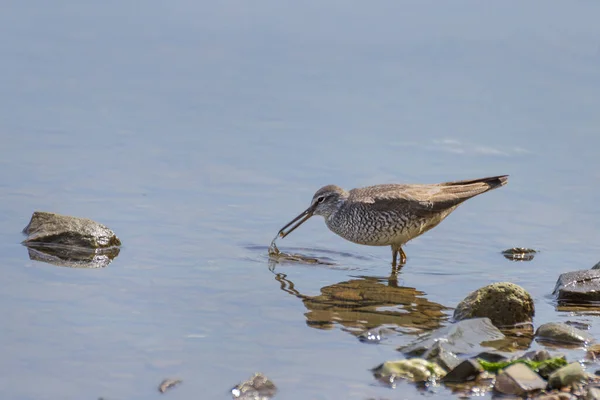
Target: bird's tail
[469, 188]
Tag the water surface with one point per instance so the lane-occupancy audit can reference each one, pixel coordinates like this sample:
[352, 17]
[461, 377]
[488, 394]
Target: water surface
[196, 130]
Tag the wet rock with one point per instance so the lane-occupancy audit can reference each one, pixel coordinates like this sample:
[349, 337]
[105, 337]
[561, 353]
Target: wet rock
[458, 338]
[375, 336]
[414, 369]
[54, 229]
[504, 303]
[593, 352]
[258, 387]
[467, 370]
[518, 380]
[597, 266]
[567, 376]
[442, 357]
[592, 393]
[490, 356]
[556, 396]
[536, 355]
[578, 287]
[168, 384]
[519, 254]
[560, 333]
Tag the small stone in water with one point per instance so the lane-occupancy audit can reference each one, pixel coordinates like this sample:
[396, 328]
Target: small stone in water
[168, 384]
[519, 254]
[370, 337]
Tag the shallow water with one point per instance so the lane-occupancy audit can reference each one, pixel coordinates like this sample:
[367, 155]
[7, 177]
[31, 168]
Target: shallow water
[196, 130]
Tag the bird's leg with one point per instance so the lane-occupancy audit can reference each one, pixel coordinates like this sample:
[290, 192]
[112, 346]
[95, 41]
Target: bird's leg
[395, 251]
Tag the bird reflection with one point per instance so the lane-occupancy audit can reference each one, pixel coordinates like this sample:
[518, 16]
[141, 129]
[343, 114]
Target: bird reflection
[367, 302]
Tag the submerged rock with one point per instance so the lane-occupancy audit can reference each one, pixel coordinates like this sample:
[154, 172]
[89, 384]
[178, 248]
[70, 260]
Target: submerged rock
[168, 384]
[258, 387]
[413, 369]
[567, 376]
[578, 287]
[54, 229]
[519, 380]
[459, 338]
[504, 303]
[559, 333]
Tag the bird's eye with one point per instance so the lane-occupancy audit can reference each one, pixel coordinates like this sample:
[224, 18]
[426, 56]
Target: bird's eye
[320, 199]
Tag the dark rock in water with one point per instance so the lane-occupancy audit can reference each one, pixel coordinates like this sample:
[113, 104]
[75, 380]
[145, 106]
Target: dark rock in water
[504, 303]
[567, 376]
[490, 356]
[518, 380]
[467, 370]
[413, 369]
[73, 257]
[578, 287]
[55, 229]
[375, 335]
[442, 357]
[597, 266]
[559, 333]
[458, 338]
[519, 254]
[258, 387]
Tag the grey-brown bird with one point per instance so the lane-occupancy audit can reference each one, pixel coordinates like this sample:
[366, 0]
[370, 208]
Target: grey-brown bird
[390, 215]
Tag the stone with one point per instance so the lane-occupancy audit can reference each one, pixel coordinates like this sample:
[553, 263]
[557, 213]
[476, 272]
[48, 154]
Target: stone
[490, 356]
[597, 266]
[593, 352]
[46, 228]
[258, 387]
[504, 303]
[578, 287]
[413, 369]
[442, 357]
[467, 370]
[518, 379]
[592, 393]
[567, 376]
[536, 355]
[519, 254]
[458, 338]
[560, 333]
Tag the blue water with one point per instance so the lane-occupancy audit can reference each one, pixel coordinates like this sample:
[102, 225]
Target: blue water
[196, 130]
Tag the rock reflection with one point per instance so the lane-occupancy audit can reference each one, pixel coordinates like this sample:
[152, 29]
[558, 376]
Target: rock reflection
[73, 257]
[366, 303]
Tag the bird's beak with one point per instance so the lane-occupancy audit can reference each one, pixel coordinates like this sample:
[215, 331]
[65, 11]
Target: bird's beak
[302, 219]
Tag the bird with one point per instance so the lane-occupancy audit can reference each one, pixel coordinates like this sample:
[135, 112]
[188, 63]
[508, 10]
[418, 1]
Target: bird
[390, 214]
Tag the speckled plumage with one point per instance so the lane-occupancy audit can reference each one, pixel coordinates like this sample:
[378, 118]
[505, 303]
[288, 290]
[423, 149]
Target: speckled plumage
[393, 214]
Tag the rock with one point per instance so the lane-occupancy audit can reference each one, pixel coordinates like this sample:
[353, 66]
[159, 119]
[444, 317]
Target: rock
[504, 303]
[54, 229]
[490, 356]
[536, 355]
[559, 333]
[258, 387]
[518, 380]
[375, 335]
[413, 369]
[458, 338]
[578, 287]
[566, 376]
[519, 254]
[467, 370]
[593, 352]
[442, 357]
[592, 393]
[168, 384]
[597, 266]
